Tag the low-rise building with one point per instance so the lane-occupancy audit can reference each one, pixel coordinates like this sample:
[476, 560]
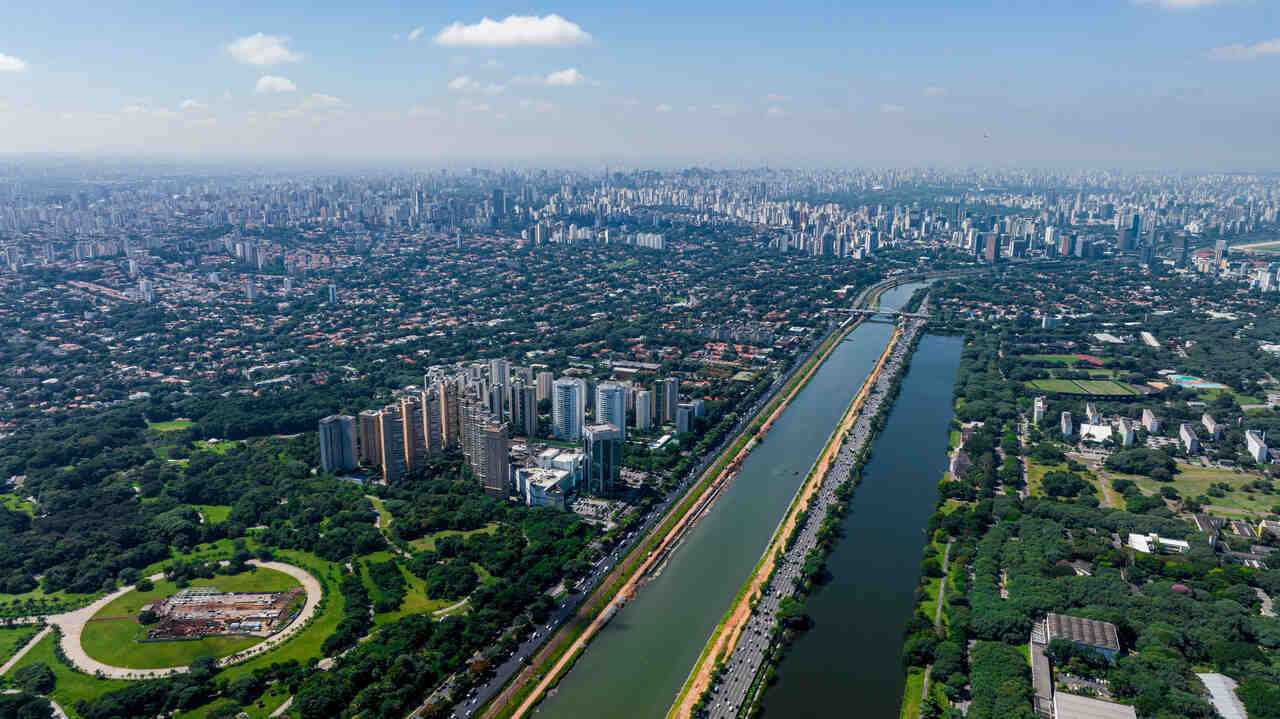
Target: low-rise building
[1155, 544]
[1074, 706]
[1101, 637]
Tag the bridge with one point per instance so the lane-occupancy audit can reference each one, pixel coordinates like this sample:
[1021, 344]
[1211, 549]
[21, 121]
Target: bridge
[895, 313]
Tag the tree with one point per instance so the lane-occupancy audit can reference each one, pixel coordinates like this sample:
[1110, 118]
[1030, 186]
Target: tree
[35, 678]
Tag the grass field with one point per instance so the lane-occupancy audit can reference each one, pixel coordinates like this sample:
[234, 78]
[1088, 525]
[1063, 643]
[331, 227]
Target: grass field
[1036, 473]
[214, 513]
[14, 503]
[1105, 388]
[173, 425]
[114, 635]
[1064, 360]
[13, 638]
[1192, 481]
[37, 601]
[911, 694]
[261, 709]
[428, 543]
[72, 686]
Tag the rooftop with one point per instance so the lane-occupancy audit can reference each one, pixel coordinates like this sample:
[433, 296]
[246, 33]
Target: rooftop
[1089, 632]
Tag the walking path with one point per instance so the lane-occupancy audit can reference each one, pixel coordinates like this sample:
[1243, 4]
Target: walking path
[13, 660]
[72, 625]
[937, 617]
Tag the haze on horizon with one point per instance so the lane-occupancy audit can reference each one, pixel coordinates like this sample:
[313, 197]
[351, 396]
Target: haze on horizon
[1134, 84]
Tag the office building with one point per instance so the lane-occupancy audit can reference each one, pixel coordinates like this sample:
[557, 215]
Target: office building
[611, 406]
[338, 443]
[370, 438]
[684, 417]
[568, 402]
[524, 409]
[602, 444]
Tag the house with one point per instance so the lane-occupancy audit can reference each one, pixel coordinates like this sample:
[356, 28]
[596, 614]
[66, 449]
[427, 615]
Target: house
[1101, 637]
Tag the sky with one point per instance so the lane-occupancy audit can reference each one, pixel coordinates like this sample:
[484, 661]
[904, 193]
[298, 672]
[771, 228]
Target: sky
[1123, 84]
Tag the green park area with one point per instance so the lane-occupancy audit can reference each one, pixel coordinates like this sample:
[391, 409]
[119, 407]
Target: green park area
[115, 636]
[1058, 359]
[13, 638]
[14, 503]
[428, 543]
[1224, 491]
[70, 685]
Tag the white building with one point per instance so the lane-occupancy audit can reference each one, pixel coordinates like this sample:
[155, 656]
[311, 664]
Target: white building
[1126, 432]
[1155, 544]
[544, 487]
[611, 406]
[1038, 409]
[644, 410]
[1150, 421]
[1068, 428]
[1211, 426]
[1256, 442]
[1091, 413]
[1190, 442]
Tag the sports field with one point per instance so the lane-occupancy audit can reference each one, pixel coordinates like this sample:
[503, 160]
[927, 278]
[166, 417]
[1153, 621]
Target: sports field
[1093, 388]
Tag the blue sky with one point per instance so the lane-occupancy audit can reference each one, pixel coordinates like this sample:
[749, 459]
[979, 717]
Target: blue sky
[1114, 83]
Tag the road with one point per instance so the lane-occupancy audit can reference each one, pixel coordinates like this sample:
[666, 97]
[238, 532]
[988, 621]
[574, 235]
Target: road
[744, 663]
[482, 695]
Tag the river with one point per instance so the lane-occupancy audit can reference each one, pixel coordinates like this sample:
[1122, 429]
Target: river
[851, 655]
[636, 665]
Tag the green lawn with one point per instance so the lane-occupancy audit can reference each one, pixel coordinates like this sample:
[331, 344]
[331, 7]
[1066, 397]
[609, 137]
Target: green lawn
[261, 709]
[1192, 481]
[415, 601]
[14, 503]
[911, 693]
[1065, 360]
[173, 425]
[114, 635]
[72, 686]
[1083, 386]
[214, 513]
[1036, 473]
[37, 601]
[13, 638]
[428, 543]
[219, 447]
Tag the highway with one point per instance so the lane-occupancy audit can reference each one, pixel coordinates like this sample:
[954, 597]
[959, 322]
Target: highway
[478, 697]
[730, 690]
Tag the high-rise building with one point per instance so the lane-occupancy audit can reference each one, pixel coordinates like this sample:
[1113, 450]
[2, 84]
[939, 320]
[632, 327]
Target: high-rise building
[544, 380]
[414, 431]
[524, 409]
[644, 410]
[602, 444]
[1068, 426]
[668, 393]
[500, 372]
[391, 429]
[432, 420]
[450, 412]
[370, 438]
[611, 406]
[333, 295]
[338, 443]
[568, 403]
[491, 462]
[684, 417]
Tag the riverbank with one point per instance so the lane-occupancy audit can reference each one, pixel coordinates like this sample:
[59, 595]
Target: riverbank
[725, 638]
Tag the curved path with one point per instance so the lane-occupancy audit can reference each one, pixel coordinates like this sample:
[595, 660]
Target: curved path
[72, 625]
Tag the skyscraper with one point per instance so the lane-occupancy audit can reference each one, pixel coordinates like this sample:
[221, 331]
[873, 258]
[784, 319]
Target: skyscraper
[644, 410]
[370, 438]
[432, 420]
[414, 430]
[611, 406]
[493, 465]
[567, 407]
[668, 391]
[602, 443]
[524, 409]
[338, 443]
[544, 379]
[333, 294]
[391, 429]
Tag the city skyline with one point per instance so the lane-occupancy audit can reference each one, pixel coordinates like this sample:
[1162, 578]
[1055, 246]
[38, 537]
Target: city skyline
[1145, 84]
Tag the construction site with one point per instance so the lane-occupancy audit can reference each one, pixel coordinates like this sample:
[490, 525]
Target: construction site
[200, 612]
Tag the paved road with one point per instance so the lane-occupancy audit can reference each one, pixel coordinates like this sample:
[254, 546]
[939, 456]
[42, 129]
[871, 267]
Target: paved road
[730, 691]
[18, 655]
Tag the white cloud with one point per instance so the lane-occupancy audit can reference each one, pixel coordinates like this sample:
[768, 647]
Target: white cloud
[935, 91]
[260, 49]
[9, 63]
[416, 33]
[514, 31]
[320, 101]
[775, 97]
[467, 84]
[1246, 52]
[1180, 4]
[314, 106]
[775, 111]
[664, 107]
[192, 106]
[565, 78]
[891, 109]
[274, 83]
[140, 110]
